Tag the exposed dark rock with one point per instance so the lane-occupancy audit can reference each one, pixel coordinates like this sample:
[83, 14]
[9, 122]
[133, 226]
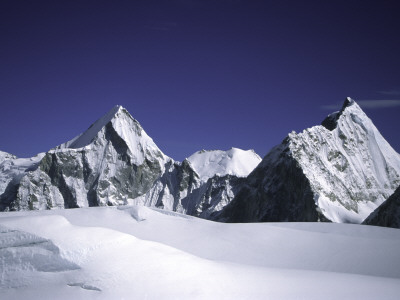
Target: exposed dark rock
[387, 214]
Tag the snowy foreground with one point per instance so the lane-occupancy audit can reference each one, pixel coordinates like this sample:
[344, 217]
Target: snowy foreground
[142, 253]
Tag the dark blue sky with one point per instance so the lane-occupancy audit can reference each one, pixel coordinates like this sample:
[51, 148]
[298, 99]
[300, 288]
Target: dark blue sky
[196, 74]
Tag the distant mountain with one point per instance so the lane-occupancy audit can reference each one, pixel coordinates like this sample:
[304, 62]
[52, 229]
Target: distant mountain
[203, 183]
[339, 171]
[388, 214]
[234, 162]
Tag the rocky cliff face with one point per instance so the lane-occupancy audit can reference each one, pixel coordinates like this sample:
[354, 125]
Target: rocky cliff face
[388, 214]
[339, 171]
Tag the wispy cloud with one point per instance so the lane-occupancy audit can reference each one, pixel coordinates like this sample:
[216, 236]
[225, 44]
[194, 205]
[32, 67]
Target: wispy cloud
[369, 104]
[378, 103]
[395, 92]
[332, 106]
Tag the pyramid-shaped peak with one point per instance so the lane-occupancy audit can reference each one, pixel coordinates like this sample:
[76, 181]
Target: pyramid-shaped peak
[117, 116]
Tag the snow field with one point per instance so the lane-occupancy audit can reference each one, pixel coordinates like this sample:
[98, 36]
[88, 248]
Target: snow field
[136, 252]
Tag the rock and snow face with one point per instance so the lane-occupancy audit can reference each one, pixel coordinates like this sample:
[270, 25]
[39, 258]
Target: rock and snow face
[12, 170]
[180, 189]
[351, 168]
[202, 184]
[234, 162]
[339, 171]
[388, 213]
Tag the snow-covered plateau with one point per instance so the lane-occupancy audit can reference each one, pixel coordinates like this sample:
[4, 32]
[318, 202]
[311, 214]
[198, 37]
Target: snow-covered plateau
[135, 252]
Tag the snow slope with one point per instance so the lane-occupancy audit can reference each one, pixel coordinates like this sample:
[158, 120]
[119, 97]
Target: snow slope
[235, 162]
[135, 252]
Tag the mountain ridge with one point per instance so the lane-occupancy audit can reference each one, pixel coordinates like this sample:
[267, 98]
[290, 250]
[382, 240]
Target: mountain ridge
[338, 171]
[113, 162]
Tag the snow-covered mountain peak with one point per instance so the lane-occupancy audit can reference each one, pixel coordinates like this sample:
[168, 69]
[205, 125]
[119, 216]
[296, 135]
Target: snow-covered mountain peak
[217, 162]
[89, 135]
[118, 123]
[352, 169]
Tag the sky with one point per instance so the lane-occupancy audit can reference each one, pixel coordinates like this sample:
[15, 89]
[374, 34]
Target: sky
[197, 74]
